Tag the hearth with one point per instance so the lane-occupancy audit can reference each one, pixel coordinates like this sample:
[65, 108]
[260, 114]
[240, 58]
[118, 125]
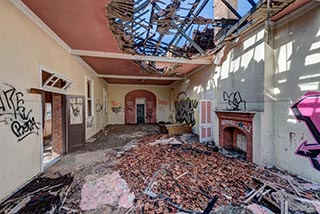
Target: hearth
[236, 131]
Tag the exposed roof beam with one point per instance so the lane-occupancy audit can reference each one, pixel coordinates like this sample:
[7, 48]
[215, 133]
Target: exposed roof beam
[138, 77]
[241, 21]
[234, 11]
[101, 54]
[252, 3]
[195, 45]
[185, 29]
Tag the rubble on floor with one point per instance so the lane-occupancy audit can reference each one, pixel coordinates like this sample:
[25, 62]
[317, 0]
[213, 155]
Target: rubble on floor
[165, 174]
[108, 190]
[89, 168]
[41, 195]
[171, 177]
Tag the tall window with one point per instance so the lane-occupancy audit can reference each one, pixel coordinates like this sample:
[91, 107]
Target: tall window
[89, 97]
[105, 101]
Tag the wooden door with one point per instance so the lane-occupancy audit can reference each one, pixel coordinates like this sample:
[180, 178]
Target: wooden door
[206, 125]
[75, 106]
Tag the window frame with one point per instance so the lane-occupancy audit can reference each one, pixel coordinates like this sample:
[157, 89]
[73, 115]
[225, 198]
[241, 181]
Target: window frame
[105, 100]
[51, 88]
[91, 98]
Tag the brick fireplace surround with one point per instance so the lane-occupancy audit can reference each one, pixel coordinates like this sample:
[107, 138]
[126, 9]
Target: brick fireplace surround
[231, 124]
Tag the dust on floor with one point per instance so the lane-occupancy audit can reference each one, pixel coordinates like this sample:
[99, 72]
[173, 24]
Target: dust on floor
[116, 136]
[134, 169]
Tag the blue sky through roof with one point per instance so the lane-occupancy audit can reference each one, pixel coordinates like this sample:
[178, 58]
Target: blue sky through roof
[185, 5]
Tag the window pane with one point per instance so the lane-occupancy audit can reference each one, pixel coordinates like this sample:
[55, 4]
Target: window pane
[89, 108]
[88, 89]
[60, 84]
[45, 76]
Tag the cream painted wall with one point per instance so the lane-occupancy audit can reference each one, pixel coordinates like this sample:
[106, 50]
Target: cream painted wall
[116, 96]
[23, 48]
[199, 86]
[242, 70]
[270, 78]
[297, 68]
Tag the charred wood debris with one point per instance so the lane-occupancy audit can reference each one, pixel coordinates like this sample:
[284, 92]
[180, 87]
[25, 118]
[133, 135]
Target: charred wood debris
[41, 195]
[176, 29]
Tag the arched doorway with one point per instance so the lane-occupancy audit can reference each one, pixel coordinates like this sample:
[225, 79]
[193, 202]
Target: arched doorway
[140, 107]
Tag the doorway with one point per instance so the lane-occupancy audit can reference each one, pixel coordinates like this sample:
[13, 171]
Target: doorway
[140, 113]
[140, 110]
[52, 128]
[148, 113]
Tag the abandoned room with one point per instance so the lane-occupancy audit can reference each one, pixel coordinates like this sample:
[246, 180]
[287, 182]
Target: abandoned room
[160, 106]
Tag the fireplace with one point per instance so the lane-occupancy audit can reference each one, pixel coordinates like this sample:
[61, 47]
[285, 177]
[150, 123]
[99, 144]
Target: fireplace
[235, 131]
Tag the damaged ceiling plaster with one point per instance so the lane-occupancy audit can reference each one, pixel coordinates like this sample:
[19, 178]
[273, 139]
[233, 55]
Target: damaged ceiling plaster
[174, 28]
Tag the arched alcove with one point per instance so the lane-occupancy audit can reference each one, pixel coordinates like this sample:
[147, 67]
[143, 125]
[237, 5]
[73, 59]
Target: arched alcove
[140, 107]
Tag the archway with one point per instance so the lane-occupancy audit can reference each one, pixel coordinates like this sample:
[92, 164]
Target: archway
[140, 107]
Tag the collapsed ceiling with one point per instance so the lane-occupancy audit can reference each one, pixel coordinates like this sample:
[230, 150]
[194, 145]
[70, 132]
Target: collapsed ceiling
[175, 28]
[160, 41]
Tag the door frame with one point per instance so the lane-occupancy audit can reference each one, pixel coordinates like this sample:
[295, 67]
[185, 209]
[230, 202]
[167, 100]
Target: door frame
[67, 119]
[206, 139]
[145, 108]
[63, 128]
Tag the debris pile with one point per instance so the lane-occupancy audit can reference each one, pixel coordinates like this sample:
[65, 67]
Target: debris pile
[168, 178]
[108, 190]
[284, 192]
[186, 175]
[41, 195]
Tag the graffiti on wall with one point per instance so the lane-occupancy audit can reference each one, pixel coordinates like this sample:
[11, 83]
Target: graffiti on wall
[234, 101]
[116, 107]
[90, 122]
[240, 125]
[13, 112]
[149, 111]
[76, 106]
[99, 107]
[307, 110]
[163, 102]
[185, 109]
[130, 106]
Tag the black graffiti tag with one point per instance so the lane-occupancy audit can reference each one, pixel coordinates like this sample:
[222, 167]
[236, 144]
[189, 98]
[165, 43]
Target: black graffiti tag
[234, 101]
[12, 106]
[24, 129]
[185, 111]
[149, 114]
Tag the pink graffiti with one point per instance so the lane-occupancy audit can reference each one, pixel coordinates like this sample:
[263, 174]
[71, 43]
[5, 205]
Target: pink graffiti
[307, 109]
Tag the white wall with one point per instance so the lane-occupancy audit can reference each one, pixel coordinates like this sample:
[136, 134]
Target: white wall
[297, 68]
[198, 86]
[270, 77]
[23, 48]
